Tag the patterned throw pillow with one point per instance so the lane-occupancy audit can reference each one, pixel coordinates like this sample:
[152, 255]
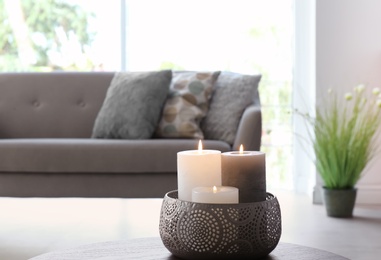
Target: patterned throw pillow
[232, 94]
[187, 104]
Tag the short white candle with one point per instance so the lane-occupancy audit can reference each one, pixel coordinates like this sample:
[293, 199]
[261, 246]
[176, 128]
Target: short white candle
[217, 195]
[197, 168]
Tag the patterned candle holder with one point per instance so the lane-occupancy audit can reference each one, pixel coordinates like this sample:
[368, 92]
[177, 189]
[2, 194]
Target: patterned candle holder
[220, 231]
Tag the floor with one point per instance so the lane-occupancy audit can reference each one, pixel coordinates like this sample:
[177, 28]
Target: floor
[32, 226]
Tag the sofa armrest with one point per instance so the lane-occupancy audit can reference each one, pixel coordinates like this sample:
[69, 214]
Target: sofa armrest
[249, 131]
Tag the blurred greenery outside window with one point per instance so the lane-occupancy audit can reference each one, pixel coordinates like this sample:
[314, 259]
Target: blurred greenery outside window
[245, 36]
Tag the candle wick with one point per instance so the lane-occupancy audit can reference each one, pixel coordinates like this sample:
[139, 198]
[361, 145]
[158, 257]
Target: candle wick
[199, 147]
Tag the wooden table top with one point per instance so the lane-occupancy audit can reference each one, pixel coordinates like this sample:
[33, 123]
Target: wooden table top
[153, 249]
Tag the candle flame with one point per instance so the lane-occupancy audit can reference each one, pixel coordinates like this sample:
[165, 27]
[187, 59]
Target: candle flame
[199, 146]
[214, 189]
[241, 149]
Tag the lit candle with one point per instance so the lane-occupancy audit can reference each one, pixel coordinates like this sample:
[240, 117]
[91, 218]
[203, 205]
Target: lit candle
[197, 168]
[217, 195]
[245, 170]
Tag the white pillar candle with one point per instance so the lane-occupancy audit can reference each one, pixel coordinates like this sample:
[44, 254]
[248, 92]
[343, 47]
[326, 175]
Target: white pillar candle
[197, 168]
[245, 170]
[217, 195]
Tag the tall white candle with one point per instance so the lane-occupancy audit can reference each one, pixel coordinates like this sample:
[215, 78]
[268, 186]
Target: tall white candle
[218, 195]
[245, 170]
[197, 168]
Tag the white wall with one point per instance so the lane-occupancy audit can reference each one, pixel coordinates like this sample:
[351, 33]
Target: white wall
[348, 52]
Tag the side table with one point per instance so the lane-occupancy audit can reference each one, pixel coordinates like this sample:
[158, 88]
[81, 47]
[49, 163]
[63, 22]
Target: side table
[153, 248]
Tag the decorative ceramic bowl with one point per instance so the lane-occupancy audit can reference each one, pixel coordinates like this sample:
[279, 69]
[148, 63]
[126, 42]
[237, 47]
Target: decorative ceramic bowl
[220, 231]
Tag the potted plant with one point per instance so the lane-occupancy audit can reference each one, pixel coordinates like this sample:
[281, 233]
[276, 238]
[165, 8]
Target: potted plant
[342, 134]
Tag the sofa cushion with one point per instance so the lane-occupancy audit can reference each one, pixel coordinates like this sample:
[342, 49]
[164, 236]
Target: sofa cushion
[233, 92]
[187, 104]
[51, 104]
[133, 105]
[95, 155]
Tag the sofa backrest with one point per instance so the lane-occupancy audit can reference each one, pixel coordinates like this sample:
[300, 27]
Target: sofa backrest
[51, 105]
[66, 104]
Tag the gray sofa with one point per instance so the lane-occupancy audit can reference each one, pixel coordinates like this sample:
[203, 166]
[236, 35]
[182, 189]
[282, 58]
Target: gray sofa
[46, 121]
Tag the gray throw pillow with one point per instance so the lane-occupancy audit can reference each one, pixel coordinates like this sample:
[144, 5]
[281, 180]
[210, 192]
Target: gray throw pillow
[233, 92]
[133, 105]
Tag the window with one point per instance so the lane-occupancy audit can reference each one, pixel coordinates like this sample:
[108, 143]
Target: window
[245, 36]
[59, 35]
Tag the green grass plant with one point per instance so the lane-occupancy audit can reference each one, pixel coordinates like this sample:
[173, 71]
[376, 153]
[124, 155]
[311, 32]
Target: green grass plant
[344, 132]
